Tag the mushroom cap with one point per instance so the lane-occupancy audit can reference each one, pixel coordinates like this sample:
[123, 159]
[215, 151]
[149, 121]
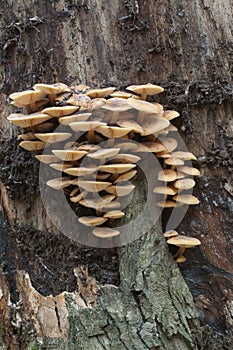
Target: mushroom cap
[97, 93]
[184, 241]
[32, 145]
[188, 170]
[114, 214]
[149, 89]
[153, 147]
[167, 175]
[116, 104]
[122, 94]
[173, 161]
[112, 132]
[92, 220]
[59, 166]
[96, 103]
[184, 155]
[81, 101]
[27, 137]
[81, 171]
[170, 233]
[184, 184]
[79, 197]
[131, 124]
[119, 190]
[186, 199]
[105, 232]
[59, 183]
[169, 115]
[127, 146]
[169, 143]
[60, 111]
[81, 117]
[27, 97]
[97, 203]
[25, 121]
[181, 259]
[168, 204]
[93, 186]
[86, 126]
[47, 158]
[69, 154]
[53, 137]
[126, 176]
[51, 88]
[116, 168]
[152, 126]
[143, 106]
[165, 190]
[104, 153]
[125, 158]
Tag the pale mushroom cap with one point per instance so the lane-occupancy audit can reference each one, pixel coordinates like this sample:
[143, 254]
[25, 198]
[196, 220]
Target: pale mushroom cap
[189, 170]
[53, 137]
[186, 199]
[169, 115]
[168, 204]
[47, 158]
[149, 89]
[131, 124]
[184, 241]
[27, 137]
[184, 155]
[105, 232]
[27, 97]
[181, 259]
[60, 111]
[81, 101]
[153, 147]
[80, 171]
[32, 145]
[170, 233]
[59, 166]
[173, 161]
[69, 154]
[25, 121]
[92, 220]
[74, 118]
[51, 88]
[114, 214]
[96, 103]
[169, 143]
[44, 127]
[119, 190]
[121, 94]
[184, 184]
[58, 183]
[113, 131]
[93, 186]
[116, 104]
[167, 175]
[104, 153]
[97, 203]
[116, 168]
[125, 158]
[127, 146]
[86, 126]
[153, 126]
[165, 190]
[79, 197]
[143, 106]
[96, 93]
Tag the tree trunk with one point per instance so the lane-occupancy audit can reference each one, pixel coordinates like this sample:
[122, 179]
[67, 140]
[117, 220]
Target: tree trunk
[55, 293]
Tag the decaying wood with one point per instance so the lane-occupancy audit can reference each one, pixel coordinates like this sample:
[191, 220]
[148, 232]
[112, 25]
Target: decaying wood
[185, 46]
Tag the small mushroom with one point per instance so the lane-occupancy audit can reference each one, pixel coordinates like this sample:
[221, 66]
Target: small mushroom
[131, 124]
[105, 232]
[186, 199]
[92, 220]
[53, 137]
[169, 143]
[81, 117]
[173, 161]
[97, 203]
[125, 158]
[52, 90]
[145, 90]
[183, 242]
[184, 184]
[120, 190]
[69, 154]
[59, 183]
[103, 154]
[116, 168]
[81, 171]
[89, 126]
[97, 93]
[166, 190]
[116, 105]
[153, 147]
[155, 125]
[167, 175]
[60, 111]
[25, 121]
[114, 214]
[169, 115]
[32, 145]
[27, 98]
[188, 170]
[170, 233]
[184, 155]
[113, 132]
[59, 166]
[143, 107]
[47, 158]
[93, 186]
[79, 197]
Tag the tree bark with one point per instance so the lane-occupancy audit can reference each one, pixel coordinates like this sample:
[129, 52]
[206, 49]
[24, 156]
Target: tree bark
[57, 294]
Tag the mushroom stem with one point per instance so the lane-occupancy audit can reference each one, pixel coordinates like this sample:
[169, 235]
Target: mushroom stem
[91, 136]
[140, 117]
[143, 96]
[52, 99]
[180, 252]
[28, 109]
[115, 117]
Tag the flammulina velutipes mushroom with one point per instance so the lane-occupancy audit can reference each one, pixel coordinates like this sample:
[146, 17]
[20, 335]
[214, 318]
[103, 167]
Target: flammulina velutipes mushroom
[114, 117]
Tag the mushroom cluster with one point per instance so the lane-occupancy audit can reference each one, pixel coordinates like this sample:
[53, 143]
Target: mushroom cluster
[95, 176]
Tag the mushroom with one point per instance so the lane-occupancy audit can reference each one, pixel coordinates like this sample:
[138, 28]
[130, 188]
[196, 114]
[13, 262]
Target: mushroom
[143, 107]
[116, 168]
[89, 126]
[152, 126]
[27, 99]
[120, 190]
[93, 186]
[186, 199]
[79, 197]
[116, 105]
[103, 154]
[173, 161]
[97, 203]
[47, 158]
[114, 214]
[105, 232]
[183, 242]
[125, 158]
[112, 132]
[53, 137]
[81, 117]
[169, 115]
[59, 166]
[167, 175]
[25, 121]
[170, 233]
[69, 154]
[92, 220]
[59, 183]
[81, 171]
[166, 190]
[145, 90]
[188, 170]
[154, 147]
[184, 184]
[169, 143]
[60, 111]
[32, 145]
[97, 93]
[168, 204]
[52, 90]
[131, 124]
[184, 155]
[181, 259]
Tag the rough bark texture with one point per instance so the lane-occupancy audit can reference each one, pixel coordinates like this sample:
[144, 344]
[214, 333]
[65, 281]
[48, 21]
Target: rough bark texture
[133, 297]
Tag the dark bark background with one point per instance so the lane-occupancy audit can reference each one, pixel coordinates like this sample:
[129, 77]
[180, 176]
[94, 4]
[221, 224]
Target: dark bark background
[184, 46]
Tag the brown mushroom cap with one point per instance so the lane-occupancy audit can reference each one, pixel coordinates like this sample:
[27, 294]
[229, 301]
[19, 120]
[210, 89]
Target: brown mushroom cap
[97, 203]
[148, 89]
[105, 232]
[127, 146]
[116, 168]
[167, 175]
[93, 186]
[53, 137]
[116, 105]
[97, 93]
[60, 111]
[165, 190]
[184, 184]
[184, 241]
[32, 145]
[186, 199]
[81, 117]
[25, 121]
[170, 233]
[92, 220]
[82, 101]
[168, 204]
[27, 97]
[122, 94]
[188, 170]
[181, 259]
[69, 154]
[44, 127]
